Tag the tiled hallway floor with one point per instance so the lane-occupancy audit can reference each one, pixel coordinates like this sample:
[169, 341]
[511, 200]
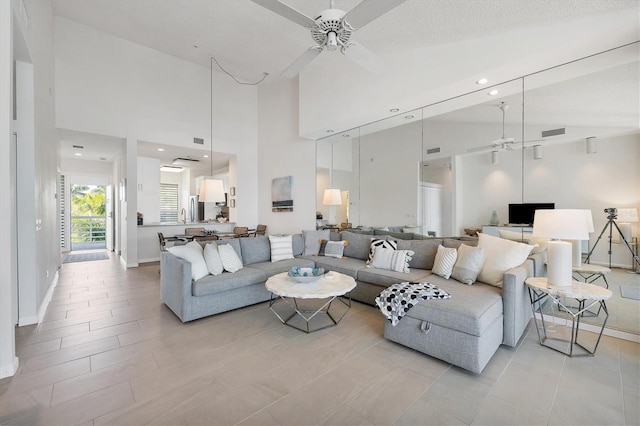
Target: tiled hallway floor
[109, 352]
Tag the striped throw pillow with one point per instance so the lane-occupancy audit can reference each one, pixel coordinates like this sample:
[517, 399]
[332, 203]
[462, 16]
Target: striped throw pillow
[445, 261]
[281, 247]
[230, 260]
[392, 260]
[377, 242]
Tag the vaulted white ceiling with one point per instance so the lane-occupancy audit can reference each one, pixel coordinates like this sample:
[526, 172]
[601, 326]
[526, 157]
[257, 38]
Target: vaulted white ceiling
[248, 39]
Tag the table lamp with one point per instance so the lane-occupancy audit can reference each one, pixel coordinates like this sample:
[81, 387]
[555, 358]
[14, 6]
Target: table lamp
[332, 198]
[560, 224]
[625, 218]
[577, 244]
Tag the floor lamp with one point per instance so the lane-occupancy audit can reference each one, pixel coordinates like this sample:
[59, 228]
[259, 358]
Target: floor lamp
[332, 198]
[560, 224]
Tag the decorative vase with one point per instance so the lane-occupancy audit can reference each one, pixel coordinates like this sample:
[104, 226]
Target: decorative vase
[494, 219]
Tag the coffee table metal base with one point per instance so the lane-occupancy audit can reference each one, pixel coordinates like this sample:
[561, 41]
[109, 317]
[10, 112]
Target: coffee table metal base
[310, 315]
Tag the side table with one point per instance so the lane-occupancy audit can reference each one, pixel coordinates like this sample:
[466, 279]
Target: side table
[540, 290]
[590, 273]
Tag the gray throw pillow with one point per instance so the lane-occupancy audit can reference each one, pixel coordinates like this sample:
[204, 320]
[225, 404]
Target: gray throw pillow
[312, 240]
[468, 265]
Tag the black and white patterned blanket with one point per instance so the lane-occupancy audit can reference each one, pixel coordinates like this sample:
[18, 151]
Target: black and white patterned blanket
[396, 300]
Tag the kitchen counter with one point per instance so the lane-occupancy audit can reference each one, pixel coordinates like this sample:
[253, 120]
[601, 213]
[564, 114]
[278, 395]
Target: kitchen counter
[149, 245]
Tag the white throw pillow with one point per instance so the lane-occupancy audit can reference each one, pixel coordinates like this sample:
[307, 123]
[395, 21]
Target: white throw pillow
[445, 261]
[312, 240]
[391, 260]
[212, 259]
[230, 260]
[468, 265]
[379, 242]
[192, 252]
[500, 255]
[281, 247]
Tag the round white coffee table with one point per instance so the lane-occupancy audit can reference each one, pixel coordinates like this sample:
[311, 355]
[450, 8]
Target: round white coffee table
[540, 289]
[309, 301]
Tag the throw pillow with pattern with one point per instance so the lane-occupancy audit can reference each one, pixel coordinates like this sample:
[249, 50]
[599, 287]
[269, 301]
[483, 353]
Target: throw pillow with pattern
[445, 261]
[377, 242]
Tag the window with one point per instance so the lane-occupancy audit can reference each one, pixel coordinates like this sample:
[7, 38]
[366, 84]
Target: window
[168, 202]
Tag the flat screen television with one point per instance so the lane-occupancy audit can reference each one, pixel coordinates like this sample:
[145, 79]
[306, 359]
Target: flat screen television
[522, 214]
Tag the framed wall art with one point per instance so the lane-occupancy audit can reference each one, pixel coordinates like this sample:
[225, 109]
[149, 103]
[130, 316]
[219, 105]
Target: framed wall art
[282, 194]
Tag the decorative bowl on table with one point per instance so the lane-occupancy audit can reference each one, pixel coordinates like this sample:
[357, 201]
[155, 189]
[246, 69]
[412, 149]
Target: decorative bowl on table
[222, 219]
[305, 275]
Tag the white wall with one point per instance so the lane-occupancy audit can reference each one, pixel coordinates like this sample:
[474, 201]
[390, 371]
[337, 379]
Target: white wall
[282, 153]
[110, 86]
[417, 80]
[38, 42]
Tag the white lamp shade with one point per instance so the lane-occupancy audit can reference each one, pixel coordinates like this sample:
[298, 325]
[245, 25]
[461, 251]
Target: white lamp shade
[589, 221]
[627, 215]
[211, 191]
[332, 197]
[561, 224]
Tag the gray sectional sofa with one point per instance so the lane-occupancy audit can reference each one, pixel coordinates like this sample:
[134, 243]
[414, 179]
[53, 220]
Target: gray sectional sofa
[464, 330]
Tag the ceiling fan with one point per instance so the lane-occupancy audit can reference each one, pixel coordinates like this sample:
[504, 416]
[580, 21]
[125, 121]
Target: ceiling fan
[332, 29]
[503, 142]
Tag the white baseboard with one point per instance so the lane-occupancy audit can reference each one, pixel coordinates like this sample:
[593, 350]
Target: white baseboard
[151, 259]
[126, 264]
[10, 369]
[47, 298]
[22, 321]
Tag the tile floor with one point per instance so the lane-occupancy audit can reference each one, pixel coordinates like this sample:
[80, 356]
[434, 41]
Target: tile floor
[109, 352]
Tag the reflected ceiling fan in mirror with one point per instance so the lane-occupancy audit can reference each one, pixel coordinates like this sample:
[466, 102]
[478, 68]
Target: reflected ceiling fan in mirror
[503, 142]
[332, 29]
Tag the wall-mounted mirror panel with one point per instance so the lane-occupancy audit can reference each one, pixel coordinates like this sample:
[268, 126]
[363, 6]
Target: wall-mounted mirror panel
[585, 118]
[454, 163]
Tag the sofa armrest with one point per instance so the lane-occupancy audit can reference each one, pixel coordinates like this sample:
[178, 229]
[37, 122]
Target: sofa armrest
[515, 302]
[175, 284]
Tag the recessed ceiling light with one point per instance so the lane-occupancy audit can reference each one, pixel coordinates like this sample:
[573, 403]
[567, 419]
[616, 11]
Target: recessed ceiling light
[482, 81]
[78, 154]
[205, 156]
[408, 117]
[394, 110]
[493, 92]
[329, 131]
[160, 149]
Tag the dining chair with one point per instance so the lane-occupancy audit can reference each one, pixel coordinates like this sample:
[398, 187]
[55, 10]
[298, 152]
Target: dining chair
[206, 238]
[260, 230]
[346, 225]
[163, 243]
[194, 231]
[241, 231]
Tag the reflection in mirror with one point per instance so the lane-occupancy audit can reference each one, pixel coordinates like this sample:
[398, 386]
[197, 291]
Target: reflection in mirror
[566, 107]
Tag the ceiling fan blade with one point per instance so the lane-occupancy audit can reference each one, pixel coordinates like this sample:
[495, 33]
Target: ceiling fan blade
[365, 58]
[286, 11]
[302, 61]
[369, 10]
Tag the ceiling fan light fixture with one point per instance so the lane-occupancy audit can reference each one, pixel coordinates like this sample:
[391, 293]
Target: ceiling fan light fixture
[495, 159]
[332, 41]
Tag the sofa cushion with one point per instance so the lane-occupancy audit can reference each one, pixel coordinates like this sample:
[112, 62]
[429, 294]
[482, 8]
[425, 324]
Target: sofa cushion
[500, 255]
[455, 242]
[398, 235]
[230, 259]
[227, 281]
[346, 265]
[391, 260]
[255, 250]
[385, 278]
[470, 309]
[444, 262]
[379, 243]
[332, 248]
[273, 268]
[193, 253]
[468, 265]
[424, 252]
[212, 259]
[281, 247]
[359, 245]
[297, 243]
[312, 240]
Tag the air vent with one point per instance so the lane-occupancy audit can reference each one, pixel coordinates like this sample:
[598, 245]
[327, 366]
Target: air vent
[184, 161]
[433, 150]
[78, 146]
[554, 132]
[199, 141]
